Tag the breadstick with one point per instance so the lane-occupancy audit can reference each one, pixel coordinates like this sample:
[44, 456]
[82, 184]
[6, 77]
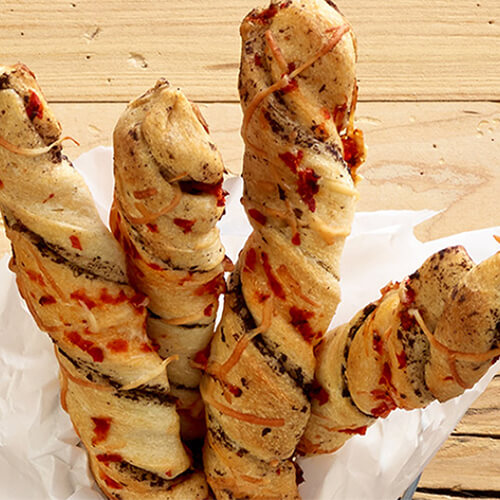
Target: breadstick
[71, 273]
[429, 337]
[168, 199]
[297, 89]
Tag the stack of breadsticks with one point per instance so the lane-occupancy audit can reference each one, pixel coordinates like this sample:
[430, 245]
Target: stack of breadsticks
[72, 275]
[132, 317]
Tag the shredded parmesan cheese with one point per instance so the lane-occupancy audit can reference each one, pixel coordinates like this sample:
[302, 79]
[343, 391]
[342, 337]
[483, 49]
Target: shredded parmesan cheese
[327, 233]
[32, 152]
[152, 216]
[152, 375]
[244, 417]
[451, 355]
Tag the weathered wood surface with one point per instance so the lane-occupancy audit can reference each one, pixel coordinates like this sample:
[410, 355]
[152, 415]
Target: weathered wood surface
[86, 50]
[430, 108]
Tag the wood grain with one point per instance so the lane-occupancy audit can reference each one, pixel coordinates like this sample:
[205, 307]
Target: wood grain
[84, 50]
[474, 462]
[484, 415]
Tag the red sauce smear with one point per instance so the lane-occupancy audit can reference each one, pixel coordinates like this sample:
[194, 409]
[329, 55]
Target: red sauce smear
[234, 390]
[387, 404]
[168, 473]
[185, 224]
[106, 458]
[194, 187]
[353, 149]
[153, 347]
[152, 227]
[47, 300]
[273, 282]
[81, 296]
[386, 377]
[86, 346]
[308, 187]
[261, 297]
[258, 216]
[1, 184]
[154, 266]
[208, 311]
[107, 298]
[139, 301]
[145, 193]
[36, 277]
[258, 60]
[378, 345]
[51, 195]
[264, 16]
[214, 287]
[101, 429]
[251, 259]
[326, 114]
[292, 161]
[407, 320]
[358, 430]
[201, 357]
[402, 360]
[296, 239]
[319, 393]
[383, 409]
[117, 345]
[75, 242]
[448, 378]
[34, 109]
[300, 320]
[408, 296]
[187, 278]
[111, 482]
[290, 87]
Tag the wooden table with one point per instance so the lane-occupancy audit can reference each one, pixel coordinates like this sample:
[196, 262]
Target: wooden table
[429, 76]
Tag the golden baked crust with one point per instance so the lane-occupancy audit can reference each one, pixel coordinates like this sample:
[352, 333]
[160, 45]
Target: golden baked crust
[297, 89]
[71, 273]
[168, 199]
[429, 337]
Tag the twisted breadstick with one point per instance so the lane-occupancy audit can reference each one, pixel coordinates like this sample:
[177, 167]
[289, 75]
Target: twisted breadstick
[168, 198]
[71, 273]
[297, 88]
[429, 337]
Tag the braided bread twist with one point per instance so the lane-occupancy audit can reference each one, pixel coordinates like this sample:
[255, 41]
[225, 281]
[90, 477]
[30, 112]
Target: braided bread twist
[429, 337]
[297, 88]
[168, 198]
[71, 273]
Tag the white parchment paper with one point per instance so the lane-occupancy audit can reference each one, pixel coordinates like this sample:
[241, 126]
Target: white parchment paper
[39, 453]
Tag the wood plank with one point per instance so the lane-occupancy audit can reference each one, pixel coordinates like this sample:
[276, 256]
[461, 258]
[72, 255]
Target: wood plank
[107, 51]
[419, 495]
[465, 463]
[483, 416]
